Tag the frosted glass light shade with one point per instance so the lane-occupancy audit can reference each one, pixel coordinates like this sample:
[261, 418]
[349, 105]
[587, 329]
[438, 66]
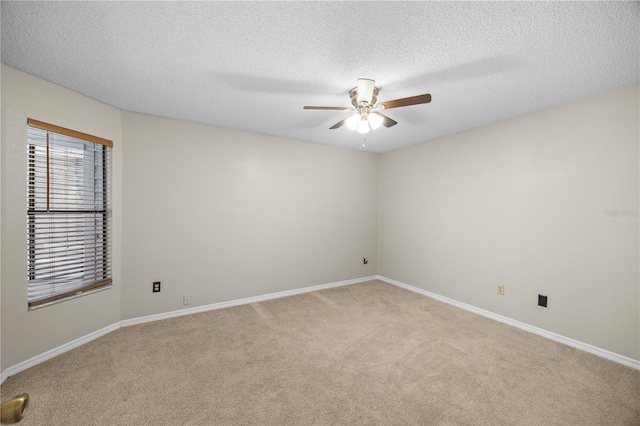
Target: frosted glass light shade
[363, 127]
[375, 120]
[353, 121]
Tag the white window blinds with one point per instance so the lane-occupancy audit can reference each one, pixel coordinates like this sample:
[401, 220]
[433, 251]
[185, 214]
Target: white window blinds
[68, 212]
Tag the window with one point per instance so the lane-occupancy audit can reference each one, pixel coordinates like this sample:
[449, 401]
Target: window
[68, 213]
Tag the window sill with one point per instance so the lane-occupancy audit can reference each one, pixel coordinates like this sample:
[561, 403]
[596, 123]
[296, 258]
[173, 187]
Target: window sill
[73, 296]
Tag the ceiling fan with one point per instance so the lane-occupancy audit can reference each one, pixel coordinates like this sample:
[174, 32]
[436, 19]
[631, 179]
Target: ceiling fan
[367, 112]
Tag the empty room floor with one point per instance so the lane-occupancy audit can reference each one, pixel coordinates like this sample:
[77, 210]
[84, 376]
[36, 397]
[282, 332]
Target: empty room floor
[368, 353]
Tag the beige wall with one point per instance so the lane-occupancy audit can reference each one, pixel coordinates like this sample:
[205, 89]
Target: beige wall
[221, 214]
[522, 203]
[27, 334]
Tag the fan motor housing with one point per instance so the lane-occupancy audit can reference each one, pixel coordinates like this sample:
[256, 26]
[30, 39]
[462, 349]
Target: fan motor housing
[354, 96]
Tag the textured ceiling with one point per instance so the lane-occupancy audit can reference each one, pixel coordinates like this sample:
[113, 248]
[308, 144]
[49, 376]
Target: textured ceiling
[253, 66]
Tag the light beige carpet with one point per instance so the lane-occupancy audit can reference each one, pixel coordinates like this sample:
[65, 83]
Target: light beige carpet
[367, 353]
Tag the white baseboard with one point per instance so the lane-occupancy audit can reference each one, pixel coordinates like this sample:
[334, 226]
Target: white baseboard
[14, 369]
[620, 359]
[165, 315]
[237, 302]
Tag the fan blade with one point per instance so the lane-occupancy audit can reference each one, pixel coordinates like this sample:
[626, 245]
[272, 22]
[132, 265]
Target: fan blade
[327, 108]
[413, 100]
[339, 124]
[387, 122]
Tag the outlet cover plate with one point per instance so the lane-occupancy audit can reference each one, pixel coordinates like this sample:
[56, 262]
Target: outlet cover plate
[542, 301]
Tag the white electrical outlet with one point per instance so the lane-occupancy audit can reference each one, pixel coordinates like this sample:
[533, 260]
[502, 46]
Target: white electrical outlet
[186, 300]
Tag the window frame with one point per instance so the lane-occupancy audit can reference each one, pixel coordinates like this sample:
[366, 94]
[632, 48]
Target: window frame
[101, 218]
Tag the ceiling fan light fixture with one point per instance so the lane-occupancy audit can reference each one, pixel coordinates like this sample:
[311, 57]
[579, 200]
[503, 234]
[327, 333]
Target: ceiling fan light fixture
[363, 126]
[364, 98]
[375, 120]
